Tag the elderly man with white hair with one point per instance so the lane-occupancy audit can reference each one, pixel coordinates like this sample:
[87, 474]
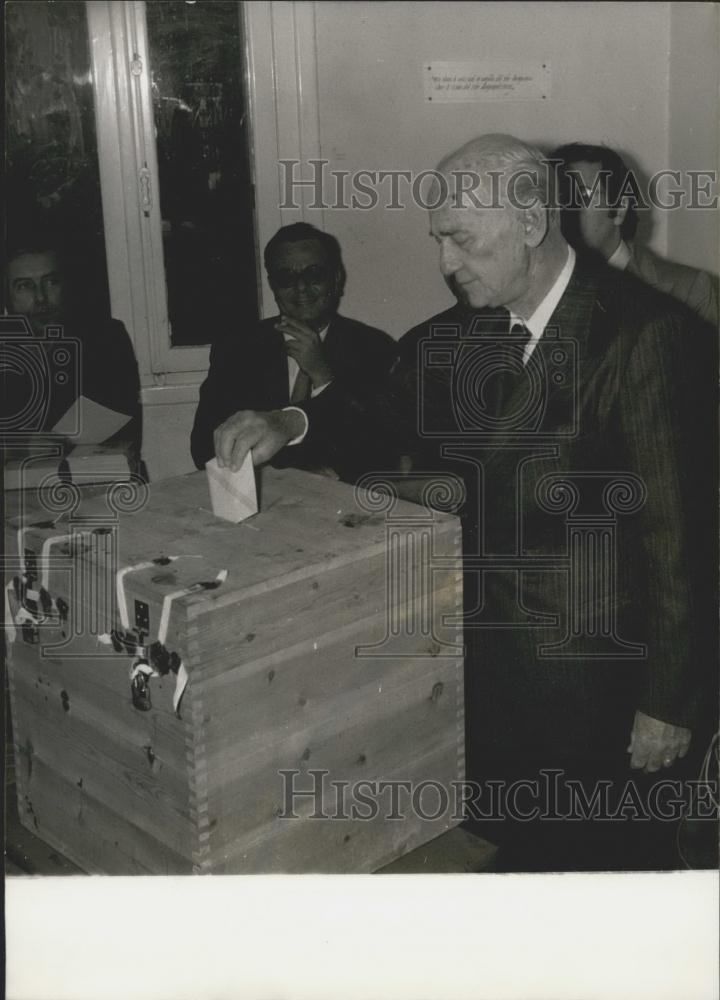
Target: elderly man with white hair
[566, 396]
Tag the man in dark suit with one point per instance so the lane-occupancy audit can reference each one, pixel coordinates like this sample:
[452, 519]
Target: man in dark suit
[294, 356]
[604, 222]
[39, 290]
[590, 499]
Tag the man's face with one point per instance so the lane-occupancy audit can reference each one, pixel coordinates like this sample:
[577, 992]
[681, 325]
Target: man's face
[595, 227]
[36, 289]
[483, 253]
[304, 283]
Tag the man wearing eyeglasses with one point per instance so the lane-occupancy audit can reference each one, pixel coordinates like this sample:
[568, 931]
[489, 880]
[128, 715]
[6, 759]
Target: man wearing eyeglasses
[293, 356]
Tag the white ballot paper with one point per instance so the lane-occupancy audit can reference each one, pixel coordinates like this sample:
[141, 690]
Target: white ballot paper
[88, 422]
[232, 494]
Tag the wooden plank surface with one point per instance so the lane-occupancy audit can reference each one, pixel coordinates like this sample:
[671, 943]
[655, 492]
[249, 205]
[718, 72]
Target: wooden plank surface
[330, 691]
[98, 691]
[252, 793]
[98, 839]
[95, 750]
[98, 769]
[76, 718]
[336, 845]
[305, 521]
[265, 630]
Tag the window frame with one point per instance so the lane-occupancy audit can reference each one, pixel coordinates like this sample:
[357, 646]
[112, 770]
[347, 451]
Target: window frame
[281, 90]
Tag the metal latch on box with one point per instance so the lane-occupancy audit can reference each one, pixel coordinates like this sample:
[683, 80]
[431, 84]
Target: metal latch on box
[37, 606]
[154, 660]
[162, 662]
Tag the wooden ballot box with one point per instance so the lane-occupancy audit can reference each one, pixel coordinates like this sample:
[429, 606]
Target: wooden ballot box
[188, 695]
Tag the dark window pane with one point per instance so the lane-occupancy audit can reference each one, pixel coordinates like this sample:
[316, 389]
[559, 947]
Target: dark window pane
[52, 183]
[196, 56]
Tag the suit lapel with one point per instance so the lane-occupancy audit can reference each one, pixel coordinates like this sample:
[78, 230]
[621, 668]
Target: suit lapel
[557, 355]
[644, 266]
[573, 316]
[275, 367]
[334, 344]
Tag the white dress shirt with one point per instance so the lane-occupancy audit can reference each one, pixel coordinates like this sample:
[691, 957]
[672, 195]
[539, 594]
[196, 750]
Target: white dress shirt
[294, 369]
[536, 324]
[620, 257]
[293, 372]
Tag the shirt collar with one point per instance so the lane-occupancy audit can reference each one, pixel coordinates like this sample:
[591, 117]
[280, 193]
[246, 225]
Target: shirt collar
[620, 257]
[539, 320]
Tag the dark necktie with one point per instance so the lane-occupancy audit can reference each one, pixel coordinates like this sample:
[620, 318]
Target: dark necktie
[513, 375]
[505, 372]
[520, 337]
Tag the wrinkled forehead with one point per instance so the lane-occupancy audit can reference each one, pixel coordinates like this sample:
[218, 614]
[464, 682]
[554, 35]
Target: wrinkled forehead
[467, 185]
[467, 210]
[33, 265]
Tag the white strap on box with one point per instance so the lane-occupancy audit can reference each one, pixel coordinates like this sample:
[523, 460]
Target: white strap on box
[44, 560]
[23, 616]
[21, 544]
[120, 587]
[181, 678]
[169, 598]
[45, 554]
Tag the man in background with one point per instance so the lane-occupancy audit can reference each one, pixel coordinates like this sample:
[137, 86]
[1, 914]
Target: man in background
[295, 355]
[604, 223]
[38, 289]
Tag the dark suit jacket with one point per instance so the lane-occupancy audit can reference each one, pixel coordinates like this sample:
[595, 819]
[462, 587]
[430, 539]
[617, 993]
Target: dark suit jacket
[103, 368]
[634, 397]
[250, 372]
[697, 289]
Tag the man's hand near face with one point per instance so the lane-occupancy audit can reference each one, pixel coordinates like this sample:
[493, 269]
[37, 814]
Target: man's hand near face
[263, 433]
[303, 344]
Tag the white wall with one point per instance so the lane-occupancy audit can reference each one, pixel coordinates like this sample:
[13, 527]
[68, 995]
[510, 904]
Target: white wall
[610, 73]
[693, 236]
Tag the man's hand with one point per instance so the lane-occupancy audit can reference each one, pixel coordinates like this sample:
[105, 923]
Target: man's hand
[304, 345]
[655, 744]
[264, 433]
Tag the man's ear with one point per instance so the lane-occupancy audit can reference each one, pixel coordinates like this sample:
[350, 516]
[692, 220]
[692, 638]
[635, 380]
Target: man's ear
[534, 223]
